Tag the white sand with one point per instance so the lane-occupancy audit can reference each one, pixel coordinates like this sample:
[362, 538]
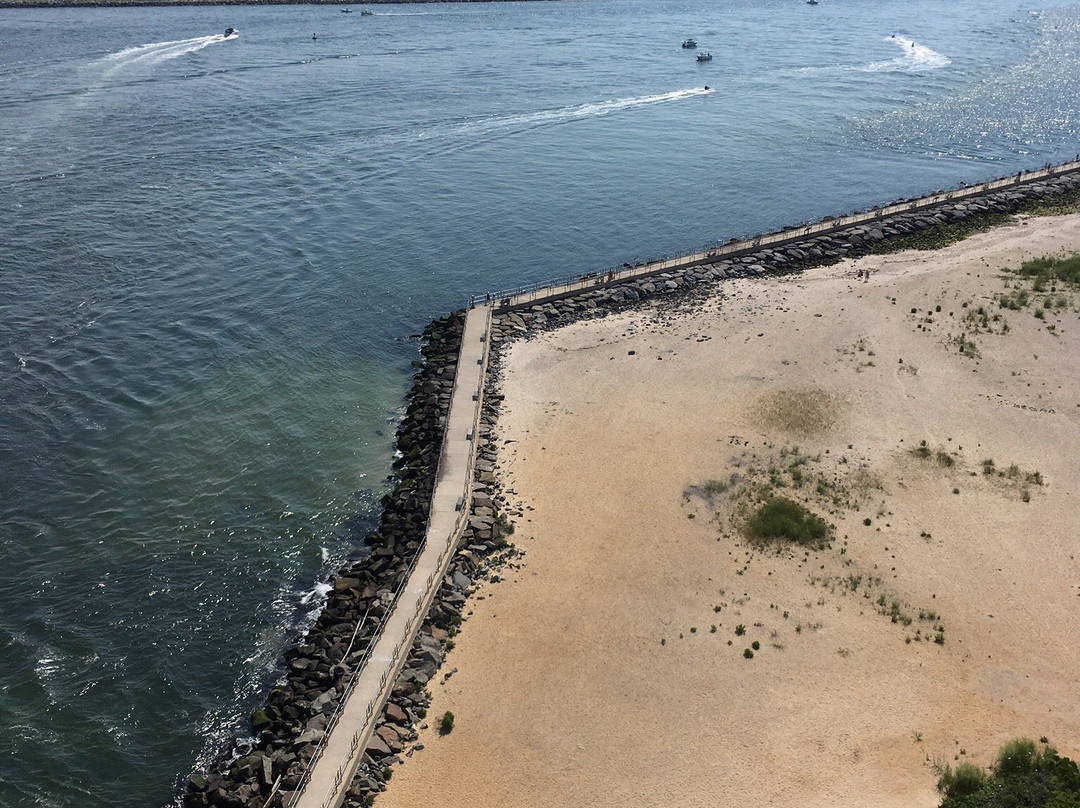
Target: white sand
[565, 695]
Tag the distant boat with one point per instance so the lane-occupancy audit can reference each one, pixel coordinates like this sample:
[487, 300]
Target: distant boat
[346, 11]
[231, 32]
[704, 57]
[365, 13]
[811, 2]
[689, 43]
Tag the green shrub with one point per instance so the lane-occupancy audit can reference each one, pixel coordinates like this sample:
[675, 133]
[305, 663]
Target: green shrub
[781, 519]
[1024, 776]
[965, 779]
[446, 723]
[1018, 756]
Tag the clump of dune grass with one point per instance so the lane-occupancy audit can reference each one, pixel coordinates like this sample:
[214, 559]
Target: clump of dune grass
[780, 519]
[1048, 271]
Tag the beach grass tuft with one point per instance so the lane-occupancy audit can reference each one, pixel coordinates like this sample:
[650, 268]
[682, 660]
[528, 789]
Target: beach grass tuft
[781, 519]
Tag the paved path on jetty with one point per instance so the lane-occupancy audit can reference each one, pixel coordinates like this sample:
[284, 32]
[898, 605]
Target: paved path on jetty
[533, 294]
[332, 771]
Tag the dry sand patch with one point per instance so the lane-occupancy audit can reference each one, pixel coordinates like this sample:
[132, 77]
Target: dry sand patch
[593, 675]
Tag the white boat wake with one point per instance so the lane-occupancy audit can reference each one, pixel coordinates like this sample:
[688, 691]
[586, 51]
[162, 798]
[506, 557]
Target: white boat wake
[916, 58]
[156, 52]
[543, 117]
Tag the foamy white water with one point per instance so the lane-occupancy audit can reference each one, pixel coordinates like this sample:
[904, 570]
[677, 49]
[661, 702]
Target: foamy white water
[915, 57]
[548, 117]
[157, 52]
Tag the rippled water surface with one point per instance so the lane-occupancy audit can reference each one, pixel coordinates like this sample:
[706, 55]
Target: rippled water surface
[214, 253]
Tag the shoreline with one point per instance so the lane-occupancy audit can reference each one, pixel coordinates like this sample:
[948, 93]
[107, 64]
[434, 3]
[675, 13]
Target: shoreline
[288, 728]
[618, 640]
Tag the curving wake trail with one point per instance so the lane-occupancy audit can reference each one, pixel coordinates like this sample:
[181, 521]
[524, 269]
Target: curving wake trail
[543, 117]
[156, 52]
[916, 58]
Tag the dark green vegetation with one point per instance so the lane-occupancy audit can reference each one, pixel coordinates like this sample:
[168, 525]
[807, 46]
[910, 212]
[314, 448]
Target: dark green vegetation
[1049, 270]
[1023, 776]
[446, 724]
[782, 519]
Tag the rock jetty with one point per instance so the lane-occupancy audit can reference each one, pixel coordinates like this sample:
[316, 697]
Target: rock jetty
[286, 731]
[267, 768]
[791, 256]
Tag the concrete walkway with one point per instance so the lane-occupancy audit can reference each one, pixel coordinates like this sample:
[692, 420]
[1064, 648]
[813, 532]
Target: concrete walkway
[343, 749]
[533, 294]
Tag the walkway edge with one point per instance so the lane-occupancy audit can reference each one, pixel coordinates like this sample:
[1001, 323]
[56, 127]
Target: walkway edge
[332, 771]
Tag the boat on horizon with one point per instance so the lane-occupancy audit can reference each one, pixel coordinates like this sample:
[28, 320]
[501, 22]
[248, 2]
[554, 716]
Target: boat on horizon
[365, 13]
[346, 11]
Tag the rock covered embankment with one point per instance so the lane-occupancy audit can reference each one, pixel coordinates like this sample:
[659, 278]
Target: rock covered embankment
[794, 255]
[288, 728]
[482, 553]
[294, 719]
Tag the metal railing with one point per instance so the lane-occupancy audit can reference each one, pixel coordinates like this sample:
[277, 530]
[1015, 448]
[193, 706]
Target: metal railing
[533, 292]
[419, 607]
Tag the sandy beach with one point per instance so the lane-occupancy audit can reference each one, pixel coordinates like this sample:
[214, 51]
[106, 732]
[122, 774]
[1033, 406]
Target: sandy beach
[611, 669]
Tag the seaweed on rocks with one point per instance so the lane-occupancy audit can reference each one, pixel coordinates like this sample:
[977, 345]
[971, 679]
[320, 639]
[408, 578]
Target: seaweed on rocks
[316, 670]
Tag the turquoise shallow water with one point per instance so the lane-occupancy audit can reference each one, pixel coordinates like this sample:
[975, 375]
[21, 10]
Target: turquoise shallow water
[214, 254]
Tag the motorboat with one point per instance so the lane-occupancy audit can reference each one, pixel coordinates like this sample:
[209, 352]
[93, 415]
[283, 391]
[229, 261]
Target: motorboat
[689, 44]
[365, 13]
[231, 32]
[346, 11]
[811, 2]
[704, 57]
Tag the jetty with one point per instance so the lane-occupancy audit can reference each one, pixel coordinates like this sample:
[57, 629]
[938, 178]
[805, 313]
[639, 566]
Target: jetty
[331, 771]
[328, 733]
[530, 294]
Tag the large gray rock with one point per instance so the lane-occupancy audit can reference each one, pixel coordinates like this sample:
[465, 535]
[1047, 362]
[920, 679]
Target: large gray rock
[377, 746]
[461, 581]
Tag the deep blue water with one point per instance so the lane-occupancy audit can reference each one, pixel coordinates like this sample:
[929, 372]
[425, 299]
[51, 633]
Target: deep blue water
[213, 255]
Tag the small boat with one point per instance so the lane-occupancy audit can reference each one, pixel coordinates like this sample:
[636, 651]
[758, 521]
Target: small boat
[704, 57]
[346, 11]
[689, 44]
[811, 2]
[231, 32]
[365, 13]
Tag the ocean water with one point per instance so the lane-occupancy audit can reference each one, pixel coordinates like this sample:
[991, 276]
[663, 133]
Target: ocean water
[214, 254]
